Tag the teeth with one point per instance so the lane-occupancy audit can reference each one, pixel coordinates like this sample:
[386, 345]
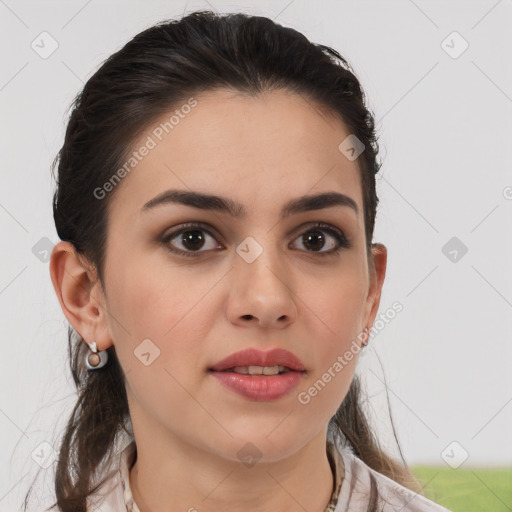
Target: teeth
[259, 370]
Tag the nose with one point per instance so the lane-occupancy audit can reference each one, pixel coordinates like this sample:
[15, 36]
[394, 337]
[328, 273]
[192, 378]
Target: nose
[261, 291]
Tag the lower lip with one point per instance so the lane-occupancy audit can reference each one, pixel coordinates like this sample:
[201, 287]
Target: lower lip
[260, 388]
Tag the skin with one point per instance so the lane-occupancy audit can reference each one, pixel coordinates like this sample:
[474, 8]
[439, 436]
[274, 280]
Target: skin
[260, 151]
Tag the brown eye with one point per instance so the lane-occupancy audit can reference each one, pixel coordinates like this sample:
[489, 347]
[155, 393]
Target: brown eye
[323, 236]
[189, 240]
[192, 239]
[315, 239]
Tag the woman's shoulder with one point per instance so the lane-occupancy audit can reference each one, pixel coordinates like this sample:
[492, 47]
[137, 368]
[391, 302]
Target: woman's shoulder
[110, 497]
[393, 496]
[109, 500]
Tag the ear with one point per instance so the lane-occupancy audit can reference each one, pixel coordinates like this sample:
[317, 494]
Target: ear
[377, 267]
[80, 294]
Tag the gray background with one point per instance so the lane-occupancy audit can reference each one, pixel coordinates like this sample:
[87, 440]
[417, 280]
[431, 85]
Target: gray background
[445, 128]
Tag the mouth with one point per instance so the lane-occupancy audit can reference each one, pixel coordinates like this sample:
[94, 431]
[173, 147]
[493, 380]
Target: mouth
[255, 362]
[259, 383]
[258, 371]
[260, 375]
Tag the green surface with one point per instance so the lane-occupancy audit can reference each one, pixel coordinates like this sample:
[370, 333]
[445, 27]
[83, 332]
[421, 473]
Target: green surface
[467, 490]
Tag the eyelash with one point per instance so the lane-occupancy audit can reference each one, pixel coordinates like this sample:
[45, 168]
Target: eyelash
[342, 240]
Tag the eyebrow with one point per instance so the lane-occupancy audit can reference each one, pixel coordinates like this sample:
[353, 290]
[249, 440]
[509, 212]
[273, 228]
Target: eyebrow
[204, 201]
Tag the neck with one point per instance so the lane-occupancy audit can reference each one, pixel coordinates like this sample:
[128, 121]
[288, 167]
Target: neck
[192, 479]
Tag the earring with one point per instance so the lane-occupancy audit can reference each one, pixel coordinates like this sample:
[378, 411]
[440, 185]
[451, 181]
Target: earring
[95, 359]
[367, 337]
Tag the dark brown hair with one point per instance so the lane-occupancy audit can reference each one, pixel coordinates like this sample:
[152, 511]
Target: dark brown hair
[155, 71]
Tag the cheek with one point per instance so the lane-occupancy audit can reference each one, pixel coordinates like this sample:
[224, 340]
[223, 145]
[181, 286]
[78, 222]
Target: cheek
[166, 321]
[154, 298]
[337, 309]
[167, 307]
[336, 313]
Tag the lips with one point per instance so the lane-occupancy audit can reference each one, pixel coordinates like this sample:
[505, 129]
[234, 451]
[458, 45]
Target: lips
[254, 357]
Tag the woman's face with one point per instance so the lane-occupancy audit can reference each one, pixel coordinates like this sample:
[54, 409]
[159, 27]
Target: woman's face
[251, 281]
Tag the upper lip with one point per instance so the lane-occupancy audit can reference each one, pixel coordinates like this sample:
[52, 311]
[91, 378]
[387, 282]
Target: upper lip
[255, 357]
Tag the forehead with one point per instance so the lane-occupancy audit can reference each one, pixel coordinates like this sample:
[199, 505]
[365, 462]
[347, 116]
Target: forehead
[260, 150]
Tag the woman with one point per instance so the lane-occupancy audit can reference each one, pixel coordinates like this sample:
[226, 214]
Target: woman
[216, 205]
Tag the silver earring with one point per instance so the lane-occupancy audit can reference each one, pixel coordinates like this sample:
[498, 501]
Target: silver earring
[367, 337]
[95, 359]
